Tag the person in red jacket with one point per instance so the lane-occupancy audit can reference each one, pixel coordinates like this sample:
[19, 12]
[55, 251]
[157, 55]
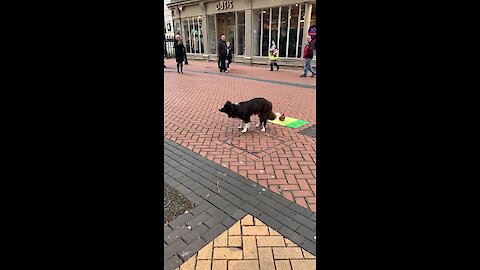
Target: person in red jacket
[308, 55]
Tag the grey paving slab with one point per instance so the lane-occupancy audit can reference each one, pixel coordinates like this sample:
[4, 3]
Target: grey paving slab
[311, 131]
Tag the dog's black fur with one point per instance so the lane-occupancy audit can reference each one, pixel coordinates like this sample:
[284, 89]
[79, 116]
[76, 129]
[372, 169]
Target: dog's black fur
[243, 110]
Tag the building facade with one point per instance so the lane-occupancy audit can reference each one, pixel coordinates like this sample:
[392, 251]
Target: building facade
[249, 25]
[168, 19]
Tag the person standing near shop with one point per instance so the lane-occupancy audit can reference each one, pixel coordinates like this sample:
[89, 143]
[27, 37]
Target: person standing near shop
[180, 54]
[229, 56]
[273, 55]
[308, 55]
[222, 53]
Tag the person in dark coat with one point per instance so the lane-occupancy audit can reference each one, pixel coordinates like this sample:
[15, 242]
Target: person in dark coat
[222, 53]
[180, 53]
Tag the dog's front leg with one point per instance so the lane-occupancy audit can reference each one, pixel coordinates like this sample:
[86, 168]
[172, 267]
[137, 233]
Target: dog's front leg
[245, 128]
[241, 125]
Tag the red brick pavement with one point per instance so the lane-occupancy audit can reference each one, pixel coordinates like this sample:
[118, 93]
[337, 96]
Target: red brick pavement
[280, 159]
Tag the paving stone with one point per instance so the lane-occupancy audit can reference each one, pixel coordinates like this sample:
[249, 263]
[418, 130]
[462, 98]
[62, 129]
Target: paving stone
[219, 265]
[214, 232]
[201, 208]
[265, 258]
[228, 222]
[249, 247]
[215, 219]
[307, 233]
[270, 241]
[243, 265]
[180, 220]
[265, 199]
[173, 248]
[238, 214]
[193, 235]
[292, 235]
[227, 253]
[284, 210]
[191, 249]
[189, 264]
[299, 209]
[176, 234]
[303, 264]
[310, 247]
[213, 210]
[204, 265]
[235, 229]
[206, 252]
[198, 220]
[289, 222]
[166, 229]
[305, 221]
[250, 209]
[283, 265]
[287, 253]
[268, 209]
[172, 263]
[230, 209]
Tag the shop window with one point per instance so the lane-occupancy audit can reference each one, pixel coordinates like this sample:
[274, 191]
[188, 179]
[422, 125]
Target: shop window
[257, 26]
[274, 27]
[211, 34]
[230, 31]
[312, 30]
[241, 32]
[201, 48]
[186, 34]
[300, 36]
[193, 35]
[265, 31]
[282, 44]
[293, 31]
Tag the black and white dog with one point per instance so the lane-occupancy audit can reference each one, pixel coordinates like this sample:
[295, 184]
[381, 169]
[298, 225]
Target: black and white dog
[243, 111]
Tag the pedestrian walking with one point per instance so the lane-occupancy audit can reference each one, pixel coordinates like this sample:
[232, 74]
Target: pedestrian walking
[308, 55]
[229, 56]
[180, 54]
[222, 53]
[273, 55]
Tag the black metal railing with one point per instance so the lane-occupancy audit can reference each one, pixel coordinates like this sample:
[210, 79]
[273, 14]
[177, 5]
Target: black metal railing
[169, 42]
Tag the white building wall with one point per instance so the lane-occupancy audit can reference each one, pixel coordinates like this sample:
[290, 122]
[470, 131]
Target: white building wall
[168, 18]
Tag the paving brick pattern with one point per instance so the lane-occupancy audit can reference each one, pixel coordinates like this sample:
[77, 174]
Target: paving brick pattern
[251, 245]
[223, 198]
[282, 159]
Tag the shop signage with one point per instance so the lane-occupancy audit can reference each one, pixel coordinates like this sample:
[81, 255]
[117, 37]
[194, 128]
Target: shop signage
[225, 5]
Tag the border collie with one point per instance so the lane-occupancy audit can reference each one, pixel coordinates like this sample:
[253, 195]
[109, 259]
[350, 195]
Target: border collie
[243, 111]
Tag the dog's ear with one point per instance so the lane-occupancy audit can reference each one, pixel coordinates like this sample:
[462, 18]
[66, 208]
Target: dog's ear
[228, 102]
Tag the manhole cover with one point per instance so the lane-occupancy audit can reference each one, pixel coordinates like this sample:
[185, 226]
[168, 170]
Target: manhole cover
[311, 131]
[254, 142]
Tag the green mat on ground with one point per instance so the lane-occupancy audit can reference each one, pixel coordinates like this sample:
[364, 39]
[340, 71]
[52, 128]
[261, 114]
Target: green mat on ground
[289, 122]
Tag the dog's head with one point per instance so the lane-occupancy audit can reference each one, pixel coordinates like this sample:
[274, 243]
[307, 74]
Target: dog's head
[228, 109]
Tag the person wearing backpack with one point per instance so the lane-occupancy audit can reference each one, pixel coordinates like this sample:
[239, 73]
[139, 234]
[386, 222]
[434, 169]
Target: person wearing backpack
[273, 56]
[308, 55]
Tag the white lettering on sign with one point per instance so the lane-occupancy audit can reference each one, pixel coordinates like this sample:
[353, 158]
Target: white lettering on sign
[225, 5]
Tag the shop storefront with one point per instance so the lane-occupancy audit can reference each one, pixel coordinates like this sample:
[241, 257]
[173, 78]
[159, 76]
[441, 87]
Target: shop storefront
[249, 25]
